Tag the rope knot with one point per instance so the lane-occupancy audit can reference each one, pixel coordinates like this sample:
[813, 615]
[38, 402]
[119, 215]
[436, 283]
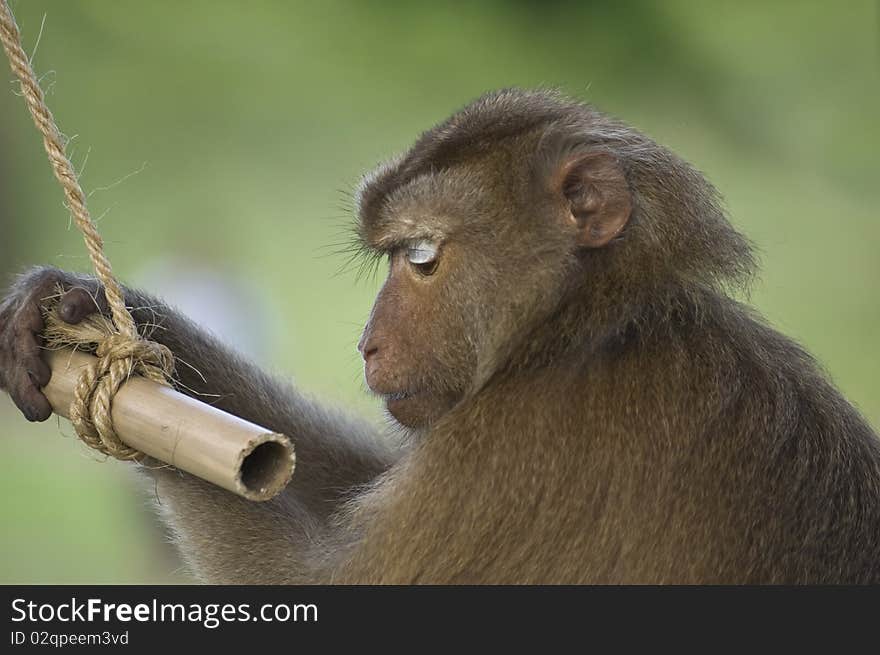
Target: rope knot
[119, 357]
[142, 352]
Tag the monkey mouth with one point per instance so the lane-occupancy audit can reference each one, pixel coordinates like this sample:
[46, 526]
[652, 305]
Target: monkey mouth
[398, 396]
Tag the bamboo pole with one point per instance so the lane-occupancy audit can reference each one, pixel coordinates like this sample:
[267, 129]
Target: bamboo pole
[188, 434]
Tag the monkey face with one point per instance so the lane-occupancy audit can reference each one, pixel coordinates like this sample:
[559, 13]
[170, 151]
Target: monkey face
[417, 355]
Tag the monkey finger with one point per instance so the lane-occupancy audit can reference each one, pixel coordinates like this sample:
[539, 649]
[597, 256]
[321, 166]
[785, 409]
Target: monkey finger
[77, 304]
[29, 356]
[39, 372]
[28, 398]
[28, 320]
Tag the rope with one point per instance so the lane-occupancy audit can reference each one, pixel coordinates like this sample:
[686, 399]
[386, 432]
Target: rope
[121, 350]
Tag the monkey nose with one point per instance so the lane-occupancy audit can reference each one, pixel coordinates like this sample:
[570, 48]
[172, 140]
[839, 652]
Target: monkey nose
[366, 348]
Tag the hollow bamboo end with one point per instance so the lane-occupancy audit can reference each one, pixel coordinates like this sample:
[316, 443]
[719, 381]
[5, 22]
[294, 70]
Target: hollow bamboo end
[266, 467]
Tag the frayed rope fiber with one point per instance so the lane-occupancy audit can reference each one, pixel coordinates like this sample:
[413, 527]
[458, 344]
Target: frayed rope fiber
[121, 351]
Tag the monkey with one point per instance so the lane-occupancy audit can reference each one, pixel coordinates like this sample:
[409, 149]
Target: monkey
[573, 391]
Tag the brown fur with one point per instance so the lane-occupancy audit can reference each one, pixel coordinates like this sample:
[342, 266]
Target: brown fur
[604, 414]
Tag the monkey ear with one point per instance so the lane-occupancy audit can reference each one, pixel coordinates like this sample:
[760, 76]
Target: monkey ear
[598, 197]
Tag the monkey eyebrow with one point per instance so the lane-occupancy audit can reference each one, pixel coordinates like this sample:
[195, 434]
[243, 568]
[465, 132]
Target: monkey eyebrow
[393, 244]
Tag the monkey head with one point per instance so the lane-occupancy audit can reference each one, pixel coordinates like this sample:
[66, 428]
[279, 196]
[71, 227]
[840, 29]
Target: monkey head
[484, 224]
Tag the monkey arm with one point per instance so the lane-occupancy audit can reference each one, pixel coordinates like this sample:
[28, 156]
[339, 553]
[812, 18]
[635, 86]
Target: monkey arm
[224, 537]
[334, 452]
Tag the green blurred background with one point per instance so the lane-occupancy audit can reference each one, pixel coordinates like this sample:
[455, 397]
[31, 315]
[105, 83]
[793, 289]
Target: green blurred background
[238, 131]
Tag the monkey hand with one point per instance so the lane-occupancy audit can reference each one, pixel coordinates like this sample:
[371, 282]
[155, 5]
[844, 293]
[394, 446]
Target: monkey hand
[23, 371]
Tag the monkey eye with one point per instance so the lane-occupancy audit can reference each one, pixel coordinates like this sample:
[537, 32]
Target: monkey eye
[423, 256]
